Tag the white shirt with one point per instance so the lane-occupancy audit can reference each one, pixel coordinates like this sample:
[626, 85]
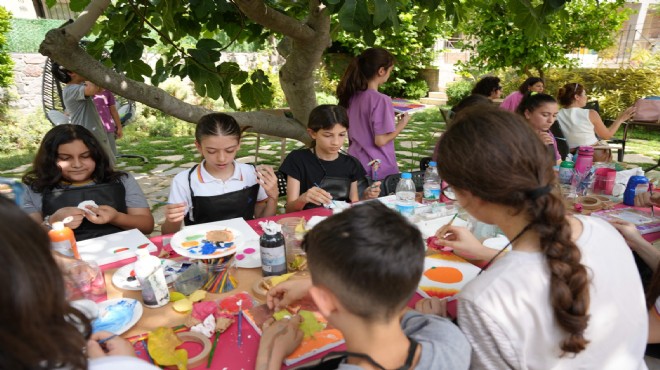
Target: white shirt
[119, 362]
[577, 127]
[507, 317]
[205, 185]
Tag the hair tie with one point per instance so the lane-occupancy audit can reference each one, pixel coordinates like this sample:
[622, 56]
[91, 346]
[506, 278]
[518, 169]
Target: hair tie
[539, 192]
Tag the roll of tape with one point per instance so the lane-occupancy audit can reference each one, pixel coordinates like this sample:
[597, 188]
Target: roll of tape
[202, 357]
[590, 203]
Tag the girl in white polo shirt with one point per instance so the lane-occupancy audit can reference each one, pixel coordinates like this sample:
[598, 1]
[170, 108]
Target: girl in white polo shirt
[219, 188]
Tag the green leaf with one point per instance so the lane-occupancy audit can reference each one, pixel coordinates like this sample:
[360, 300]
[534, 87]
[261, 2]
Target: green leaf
[78, 5]
[137, 69]
[213, 86]
[383, 11]
[208, 44]
[347, 16]
[51, 3]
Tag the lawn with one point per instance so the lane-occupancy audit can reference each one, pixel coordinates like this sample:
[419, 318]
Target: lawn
[415, 142]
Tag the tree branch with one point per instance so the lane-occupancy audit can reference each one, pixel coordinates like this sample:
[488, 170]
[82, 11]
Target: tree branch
[86, 20]
[272, 19]
[63, 48]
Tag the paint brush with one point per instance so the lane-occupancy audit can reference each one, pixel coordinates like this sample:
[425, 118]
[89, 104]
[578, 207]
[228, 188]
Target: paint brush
[442, 232]
[240, 322]
[102, 341]
[652, 209]
[332, 200]
[215, 344]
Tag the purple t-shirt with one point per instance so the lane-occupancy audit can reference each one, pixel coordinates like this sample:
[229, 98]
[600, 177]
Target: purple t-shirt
[512, 101]
[371, 113]
[103, 101]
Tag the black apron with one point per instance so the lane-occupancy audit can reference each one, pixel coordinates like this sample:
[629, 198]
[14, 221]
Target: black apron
[338, 187]
[239, 203]
[112, 194]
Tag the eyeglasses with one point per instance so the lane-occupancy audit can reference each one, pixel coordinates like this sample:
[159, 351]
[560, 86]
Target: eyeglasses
[498, 88]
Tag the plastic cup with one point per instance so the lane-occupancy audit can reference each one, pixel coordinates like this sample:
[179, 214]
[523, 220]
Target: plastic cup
[604, 181]
[85, 280]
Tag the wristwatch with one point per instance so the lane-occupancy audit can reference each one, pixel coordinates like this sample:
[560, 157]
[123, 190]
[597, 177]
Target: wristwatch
[46, 222]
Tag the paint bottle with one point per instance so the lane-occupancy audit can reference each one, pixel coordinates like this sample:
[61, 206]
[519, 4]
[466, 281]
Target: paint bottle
[273, 253]
[62, 239]
[149, 271]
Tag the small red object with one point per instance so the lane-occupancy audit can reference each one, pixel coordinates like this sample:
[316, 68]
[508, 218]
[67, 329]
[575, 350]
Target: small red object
[578, 207]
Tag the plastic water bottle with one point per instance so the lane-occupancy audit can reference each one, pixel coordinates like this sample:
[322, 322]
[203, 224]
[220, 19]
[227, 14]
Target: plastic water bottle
[149, 272]
[431, 184]
[405, 195]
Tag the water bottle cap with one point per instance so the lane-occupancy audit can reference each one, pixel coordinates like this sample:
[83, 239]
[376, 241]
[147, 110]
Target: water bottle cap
[59, 225]
[433, 164]
[406, 175]
[567, 164]
[586, 150]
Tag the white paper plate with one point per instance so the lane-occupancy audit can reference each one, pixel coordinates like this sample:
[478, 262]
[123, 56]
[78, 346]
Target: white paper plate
[249, 255]
[137, 313]
[197, 233]
[121, 277]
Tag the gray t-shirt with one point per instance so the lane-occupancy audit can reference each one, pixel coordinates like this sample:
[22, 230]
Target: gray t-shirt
[82, 111]
[134, 196]
[443, 344]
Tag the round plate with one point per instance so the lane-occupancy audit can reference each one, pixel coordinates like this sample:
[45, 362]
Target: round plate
[121, 277]
[137, 313]
[188, 242]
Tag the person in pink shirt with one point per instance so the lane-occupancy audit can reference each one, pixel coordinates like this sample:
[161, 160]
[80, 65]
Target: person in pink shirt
[532, 84]
[107, 108]
[373, 126]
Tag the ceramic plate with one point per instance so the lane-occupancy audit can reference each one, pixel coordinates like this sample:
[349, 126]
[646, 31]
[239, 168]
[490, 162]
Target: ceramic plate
[190, 242]
[104, 310]
[248, 255]
[121, 277]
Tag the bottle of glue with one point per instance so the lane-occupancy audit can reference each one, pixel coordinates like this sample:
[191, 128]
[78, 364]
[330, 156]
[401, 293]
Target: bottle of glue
[62, 239]
[149, 271]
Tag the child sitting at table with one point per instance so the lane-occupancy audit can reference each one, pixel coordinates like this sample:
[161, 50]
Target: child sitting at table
[38, 327]
[553, 301]
[219, 188]
[320, 174]
[365, 265]
[70, 167]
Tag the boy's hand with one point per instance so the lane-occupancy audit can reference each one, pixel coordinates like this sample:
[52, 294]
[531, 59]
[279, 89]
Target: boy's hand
[76, 213]
[317, 196]
[287, 292]
[114, 347]
[101, 215]
[175, 212]
[432, 306]
[283, 335]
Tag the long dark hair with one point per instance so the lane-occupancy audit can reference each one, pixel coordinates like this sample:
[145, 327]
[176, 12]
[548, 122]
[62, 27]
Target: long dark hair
[36, 330]
[46, 175]
[529, 82]
[653, 290]
[485, 143]
[566, 93]
[486, 86]
[326, 116]
[362, 69]
[531, 102]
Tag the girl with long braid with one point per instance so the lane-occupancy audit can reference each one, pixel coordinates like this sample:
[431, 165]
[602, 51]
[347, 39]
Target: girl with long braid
[567, 296]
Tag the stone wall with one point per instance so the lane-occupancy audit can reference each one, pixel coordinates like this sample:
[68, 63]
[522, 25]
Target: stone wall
[28, 71]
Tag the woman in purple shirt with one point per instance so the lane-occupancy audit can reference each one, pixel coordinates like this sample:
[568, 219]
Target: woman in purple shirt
[371, 114]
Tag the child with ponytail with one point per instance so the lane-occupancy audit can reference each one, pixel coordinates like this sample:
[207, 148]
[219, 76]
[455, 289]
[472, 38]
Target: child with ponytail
[373, 127]
[567, 296]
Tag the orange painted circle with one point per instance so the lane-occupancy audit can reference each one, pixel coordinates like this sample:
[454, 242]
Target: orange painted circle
[447, 275]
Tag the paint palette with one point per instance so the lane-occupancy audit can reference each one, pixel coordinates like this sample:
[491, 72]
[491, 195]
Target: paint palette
[114, 247]
[117, 315]
[192, 242]
[124, 278]
[445, 274]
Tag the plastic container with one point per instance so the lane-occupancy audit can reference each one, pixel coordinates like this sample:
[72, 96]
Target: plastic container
[636, 185]
[149, 271]
[405, 195]
[431, 184]
[273, 253]
[62, 240]
[605, 178]
[566, 172]
[585, 159]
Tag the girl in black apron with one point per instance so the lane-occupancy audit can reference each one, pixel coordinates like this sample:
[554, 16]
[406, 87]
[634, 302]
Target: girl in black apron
[219, 188]
[69, 168]
[321, 174]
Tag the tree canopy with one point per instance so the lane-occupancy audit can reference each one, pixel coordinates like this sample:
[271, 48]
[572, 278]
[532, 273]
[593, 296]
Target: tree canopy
[498, 41]
[189, 31]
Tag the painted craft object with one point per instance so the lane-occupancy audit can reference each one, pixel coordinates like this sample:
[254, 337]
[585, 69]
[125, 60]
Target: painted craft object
[445, 274]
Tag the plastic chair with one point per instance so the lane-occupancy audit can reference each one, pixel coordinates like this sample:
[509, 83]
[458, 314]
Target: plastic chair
[391, 181]
[281, 183]
[424, 163]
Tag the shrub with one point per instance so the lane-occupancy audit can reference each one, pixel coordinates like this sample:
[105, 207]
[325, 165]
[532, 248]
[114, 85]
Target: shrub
[22, 132]
[415, 89]
[614, 88]
[6, 63]
[456, 91]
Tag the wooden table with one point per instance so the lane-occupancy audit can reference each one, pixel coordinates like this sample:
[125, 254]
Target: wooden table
[227, 354]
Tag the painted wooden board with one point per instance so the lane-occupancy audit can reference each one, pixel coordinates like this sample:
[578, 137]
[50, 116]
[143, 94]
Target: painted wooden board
[445, 274]
[114, 247]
